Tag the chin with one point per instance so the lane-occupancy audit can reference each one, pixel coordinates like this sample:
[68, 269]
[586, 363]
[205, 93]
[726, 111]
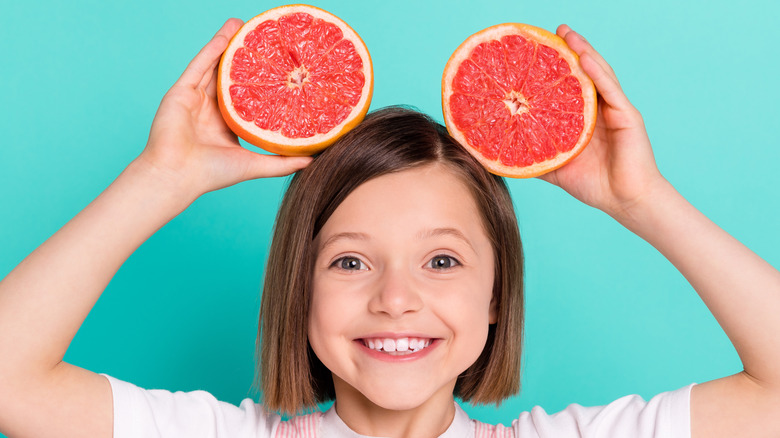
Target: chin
[394, 394]
[401, 399]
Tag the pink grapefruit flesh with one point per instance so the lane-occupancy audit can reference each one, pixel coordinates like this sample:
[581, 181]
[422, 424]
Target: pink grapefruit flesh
[516, 97]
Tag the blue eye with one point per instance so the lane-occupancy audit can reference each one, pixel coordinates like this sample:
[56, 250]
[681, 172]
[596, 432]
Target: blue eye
[442, 262]
[349, 263]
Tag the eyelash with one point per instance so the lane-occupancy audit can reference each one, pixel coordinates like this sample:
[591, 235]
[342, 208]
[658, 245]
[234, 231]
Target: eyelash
[338, 263]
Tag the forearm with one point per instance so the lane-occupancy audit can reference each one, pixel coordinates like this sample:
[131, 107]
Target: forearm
[741, 290]
[45, 299]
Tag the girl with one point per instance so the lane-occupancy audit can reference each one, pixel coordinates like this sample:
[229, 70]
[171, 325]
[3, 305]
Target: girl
[393, 284]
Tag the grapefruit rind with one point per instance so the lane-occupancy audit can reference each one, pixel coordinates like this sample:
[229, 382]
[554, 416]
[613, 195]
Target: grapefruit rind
[274, 141]
[540, 36]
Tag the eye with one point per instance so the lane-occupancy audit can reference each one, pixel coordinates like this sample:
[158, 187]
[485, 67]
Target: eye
[442, 262]
[348, 263]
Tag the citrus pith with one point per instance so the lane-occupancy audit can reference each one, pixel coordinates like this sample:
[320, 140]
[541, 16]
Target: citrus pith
[294, 79]
[516, 97]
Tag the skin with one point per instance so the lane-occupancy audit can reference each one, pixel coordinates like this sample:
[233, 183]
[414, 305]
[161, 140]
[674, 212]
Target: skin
[45, 299]
[396, 289]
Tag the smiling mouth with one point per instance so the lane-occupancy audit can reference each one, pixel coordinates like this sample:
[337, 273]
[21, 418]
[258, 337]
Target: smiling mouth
[398, 346]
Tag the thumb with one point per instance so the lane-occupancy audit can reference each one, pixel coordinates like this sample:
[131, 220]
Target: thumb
[550, 177]
[265, 166]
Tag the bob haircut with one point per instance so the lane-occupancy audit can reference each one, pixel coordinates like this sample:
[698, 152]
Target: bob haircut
[393, 139]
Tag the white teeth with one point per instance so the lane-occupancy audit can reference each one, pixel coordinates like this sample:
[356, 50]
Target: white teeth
[400, 345]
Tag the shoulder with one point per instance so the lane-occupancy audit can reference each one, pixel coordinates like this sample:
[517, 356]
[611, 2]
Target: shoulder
[665, 415]
[160, 413]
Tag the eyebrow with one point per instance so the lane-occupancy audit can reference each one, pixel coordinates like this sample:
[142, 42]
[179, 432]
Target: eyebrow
[454, 232]
[425, 234]
[343, 236]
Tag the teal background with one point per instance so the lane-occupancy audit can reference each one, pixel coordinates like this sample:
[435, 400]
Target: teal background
[606, 314]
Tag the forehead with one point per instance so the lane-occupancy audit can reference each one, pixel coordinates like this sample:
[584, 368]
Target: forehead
[411, 201]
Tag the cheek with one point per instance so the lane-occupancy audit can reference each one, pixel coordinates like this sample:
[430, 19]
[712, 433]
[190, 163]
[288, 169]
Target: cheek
[470, 312]
[471, 336]
[479, 321]
[318, 323]
[485, 302]
[329, 312]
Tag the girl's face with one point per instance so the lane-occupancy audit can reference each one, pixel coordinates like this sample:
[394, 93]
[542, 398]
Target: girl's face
[402, 291]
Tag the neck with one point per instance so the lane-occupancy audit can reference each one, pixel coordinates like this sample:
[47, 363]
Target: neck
[431, 418]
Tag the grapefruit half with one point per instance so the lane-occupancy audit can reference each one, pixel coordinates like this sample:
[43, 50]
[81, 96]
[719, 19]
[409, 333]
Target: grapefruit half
[294, 79]
[516, 97]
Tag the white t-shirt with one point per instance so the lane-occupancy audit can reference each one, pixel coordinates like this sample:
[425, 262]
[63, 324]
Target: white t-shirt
[140, 413]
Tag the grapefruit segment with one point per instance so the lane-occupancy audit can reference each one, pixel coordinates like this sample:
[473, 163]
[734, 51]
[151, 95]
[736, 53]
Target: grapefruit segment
[294, 79]
[515, 96]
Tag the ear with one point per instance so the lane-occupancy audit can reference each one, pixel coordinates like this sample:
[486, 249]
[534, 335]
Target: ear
[493, 311]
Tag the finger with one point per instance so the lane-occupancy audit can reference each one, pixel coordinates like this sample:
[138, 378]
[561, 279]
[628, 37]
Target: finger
[209, 80]
[562, 30]
[581, 46]
[211, 84]
[203, 63]
[606, 83]
[594, 65]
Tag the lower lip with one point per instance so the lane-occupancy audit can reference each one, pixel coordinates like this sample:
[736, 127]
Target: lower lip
[397, 357]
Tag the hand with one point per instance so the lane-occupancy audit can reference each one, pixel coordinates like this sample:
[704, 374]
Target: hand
[617, 169]
[190, 146]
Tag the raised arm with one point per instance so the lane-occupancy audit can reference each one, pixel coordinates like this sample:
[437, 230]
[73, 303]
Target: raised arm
[617, 174]
[45, 299]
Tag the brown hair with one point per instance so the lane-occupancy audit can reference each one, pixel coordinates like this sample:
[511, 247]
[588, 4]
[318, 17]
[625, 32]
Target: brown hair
[389, 140]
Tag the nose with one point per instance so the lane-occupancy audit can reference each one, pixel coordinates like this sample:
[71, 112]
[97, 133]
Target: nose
[395, 295]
